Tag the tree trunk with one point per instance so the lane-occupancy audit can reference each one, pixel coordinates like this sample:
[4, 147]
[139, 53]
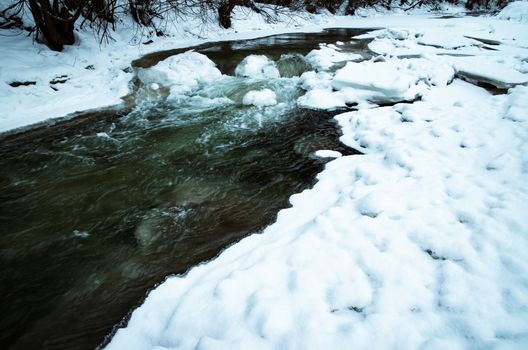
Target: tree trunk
[55, 22]
[224, 13]
[140, 10]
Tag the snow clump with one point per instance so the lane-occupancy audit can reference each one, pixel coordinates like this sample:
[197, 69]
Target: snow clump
[264, 97]
[257, 66]
[184, 73]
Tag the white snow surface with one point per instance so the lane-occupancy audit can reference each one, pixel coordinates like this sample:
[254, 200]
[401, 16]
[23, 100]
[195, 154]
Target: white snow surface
[516, 11]
[264, 97]
[418, 243]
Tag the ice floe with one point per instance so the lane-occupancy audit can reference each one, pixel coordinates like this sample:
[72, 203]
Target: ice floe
[327, 56]
[388, 80]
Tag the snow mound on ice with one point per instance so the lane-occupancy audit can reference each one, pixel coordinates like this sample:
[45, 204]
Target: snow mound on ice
[441, 40]
[496, 71]
[257, 66]
[264, 97]
[517, 11]
[184, 73]
[328, 55]
[386, 81]
[420, 241]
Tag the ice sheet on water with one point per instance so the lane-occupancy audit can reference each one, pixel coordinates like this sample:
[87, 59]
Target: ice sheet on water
[328, 55]
[395, 80]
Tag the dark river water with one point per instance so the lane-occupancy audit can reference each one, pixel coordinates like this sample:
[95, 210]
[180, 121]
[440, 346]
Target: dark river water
[97, 210]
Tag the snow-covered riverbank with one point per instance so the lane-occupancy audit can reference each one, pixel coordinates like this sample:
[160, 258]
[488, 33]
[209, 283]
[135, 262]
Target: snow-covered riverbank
[417, 244]
[89, 75]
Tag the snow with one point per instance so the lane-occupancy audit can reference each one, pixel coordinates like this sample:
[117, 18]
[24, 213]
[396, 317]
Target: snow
[496, 71]
[183, 73]
[328, 55]
[264, 97]
[257, 66]
[516, 11]
[394, 80]
[327, 153]
[418, 243]
[401, 245]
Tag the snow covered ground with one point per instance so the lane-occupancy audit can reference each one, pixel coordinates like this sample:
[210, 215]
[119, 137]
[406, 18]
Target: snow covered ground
[419, 243]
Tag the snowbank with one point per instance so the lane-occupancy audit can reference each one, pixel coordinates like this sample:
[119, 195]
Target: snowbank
[418, 243]
[264, 97]
[402, 245]
[516, 11]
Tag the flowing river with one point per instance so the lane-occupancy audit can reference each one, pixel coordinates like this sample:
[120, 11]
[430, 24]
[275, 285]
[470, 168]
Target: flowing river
[97, 210]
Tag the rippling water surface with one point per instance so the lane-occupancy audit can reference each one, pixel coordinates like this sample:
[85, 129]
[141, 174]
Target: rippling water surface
[97, 210]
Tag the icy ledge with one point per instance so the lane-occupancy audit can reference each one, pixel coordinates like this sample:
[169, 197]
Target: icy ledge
[419, 243]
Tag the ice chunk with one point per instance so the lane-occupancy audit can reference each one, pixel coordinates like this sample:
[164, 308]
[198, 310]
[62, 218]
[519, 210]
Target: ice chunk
[387, 78]
[257, 66]
[264, 97]
[369, 81]
[326, 153]
[498, 72]
[326, 56]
